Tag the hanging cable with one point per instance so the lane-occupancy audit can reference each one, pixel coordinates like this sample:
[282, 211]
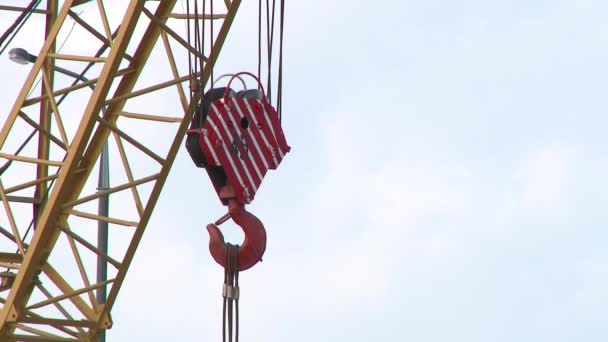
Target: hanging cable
[202, 45]
[189, 53]
[270, 37]
[268, 49]
[211, 41]
[230, 292]
[259, 40]
[58, 50]
[69, 33]
[280, 81]
[196, 44]
[9, 162]
[99, 52]
[8, 35]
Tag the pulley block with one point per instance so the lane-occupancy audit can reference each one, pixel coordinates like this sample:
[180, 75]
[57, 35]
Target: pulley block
[239, 139]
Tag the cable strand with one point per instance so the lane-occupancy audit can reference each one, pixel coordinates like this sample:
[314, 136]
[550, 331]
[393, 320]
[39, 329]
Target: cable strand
[280, 80]
[17, 25]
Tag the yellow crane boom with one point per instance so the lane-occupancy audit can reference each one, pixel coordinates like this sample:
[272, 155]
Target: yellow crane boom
[47, 209]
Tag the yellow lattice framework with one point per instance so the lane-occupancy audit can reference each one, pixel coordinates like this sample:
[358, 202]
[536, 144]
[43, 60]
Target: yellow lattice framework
[51, 142]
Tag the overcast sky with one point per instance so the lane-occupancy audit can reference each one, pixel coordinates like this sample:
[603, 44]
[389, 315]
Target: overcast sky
[447, 182]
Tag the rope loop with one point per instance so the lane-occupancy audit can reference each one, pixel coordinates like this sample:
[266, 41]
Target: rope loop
[248, 74]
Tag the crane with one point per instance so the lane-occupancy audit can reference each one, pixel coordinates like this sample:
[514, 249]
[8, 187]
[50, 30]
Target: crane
[52, 139]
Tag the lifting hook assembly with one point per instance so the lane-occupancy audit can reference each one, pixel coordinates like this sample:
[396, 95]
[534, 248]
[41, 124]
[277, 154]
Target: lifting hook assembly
[254, 245]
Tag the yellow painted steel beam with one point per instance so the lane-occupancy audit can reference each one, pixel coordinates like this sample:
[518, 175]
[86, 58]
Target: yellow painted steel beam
[69, 181]
[219, 42]
[48, 47]
[42, 170]
[150, 117]
[89, 28]
[73, 166]
[11, 257]
[90, 82]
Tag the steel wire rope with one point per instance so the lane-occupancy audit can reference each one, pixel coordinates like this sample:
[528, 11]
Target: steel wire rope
[230, 288]
[81, 77]
[270, 21]
[20, 21]
[17, 25]
[280, 77]
[196, 43]
[211, 22]
[201, 47]
[58, 50]
[19, 149]
[189, 44]
[224, 293]
[230, 293]
[186, 9]
[238, 295]
[259, 40]
[268, 58]
[203, 36]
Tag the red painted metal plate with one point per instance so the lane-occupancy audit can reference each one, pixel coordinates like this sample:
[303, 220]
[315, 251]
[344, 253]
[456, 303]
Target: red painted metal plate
[245, 138]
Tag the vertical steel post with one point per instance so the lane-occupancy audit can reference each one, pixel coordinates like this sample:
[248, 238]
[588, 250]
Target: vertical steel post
[102, 229]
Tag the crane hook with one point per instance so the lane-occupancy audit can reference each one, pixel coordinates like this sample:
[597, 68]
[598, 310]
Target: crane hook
[254, 245]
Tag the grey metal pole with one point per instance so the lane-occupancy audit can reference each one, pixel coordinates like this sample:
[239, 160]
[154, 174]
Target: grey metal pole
[21, 56]
[102, 229]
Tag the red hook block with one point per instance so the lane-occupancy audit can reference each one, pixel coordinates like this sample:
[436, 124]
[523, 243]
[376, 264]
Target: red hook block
[254, 245]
